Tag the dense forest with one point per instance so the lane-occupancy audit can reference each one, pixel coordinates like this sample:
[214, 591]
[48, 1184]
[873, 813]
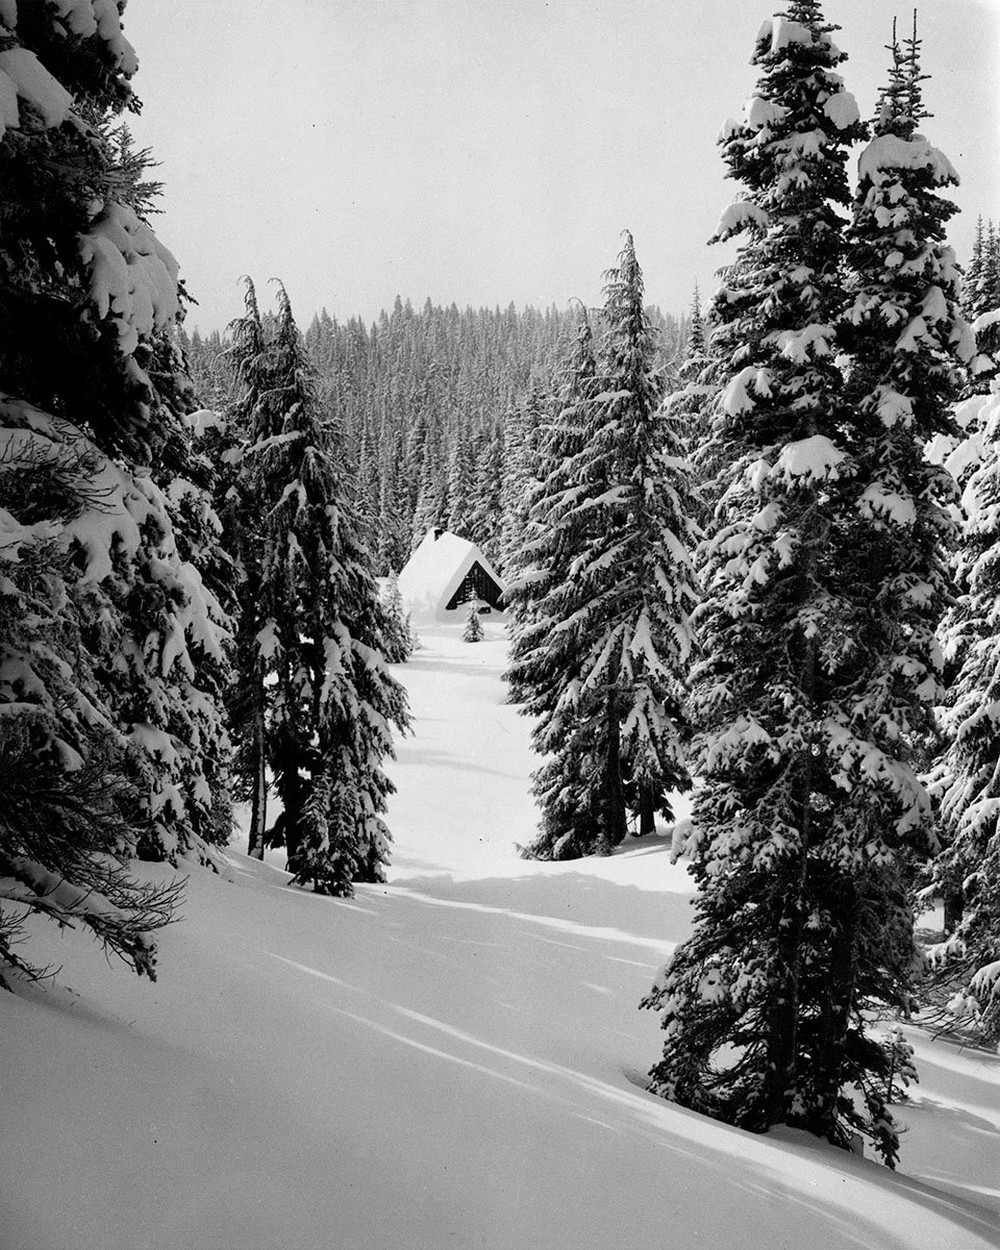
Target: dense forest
[751, 549]
[434, 407]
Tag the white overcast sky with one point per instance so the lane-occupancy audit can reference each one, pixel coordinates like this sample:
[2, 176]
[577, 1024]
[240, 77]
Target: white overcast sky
[484, 151]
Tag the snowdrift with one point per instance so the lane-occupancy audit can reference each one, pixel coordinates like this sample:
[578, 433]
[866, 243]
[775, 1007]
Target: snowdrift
[453, 1059]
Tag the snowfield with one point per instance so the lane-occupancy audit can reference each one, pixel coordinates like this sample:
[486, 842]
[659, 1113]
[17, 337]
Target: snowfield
[453, 1059]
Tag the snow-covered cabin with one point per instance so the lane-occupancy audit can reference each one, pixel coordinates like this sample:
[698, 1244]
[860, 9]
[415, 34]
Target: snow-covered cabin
[444, 575]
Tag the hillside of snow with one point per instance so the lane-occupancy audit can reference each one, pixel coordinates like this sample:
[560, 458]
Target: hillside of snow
[453, 1059]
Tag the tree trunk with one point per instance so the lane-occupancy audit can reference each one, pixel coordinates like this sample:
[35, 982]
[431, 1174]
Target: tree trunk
[647, 811]
[782, 1020]
[293, 798]
[615, 812]
[286, 757]
[835, 1014]
[258, 805]
[259, 800]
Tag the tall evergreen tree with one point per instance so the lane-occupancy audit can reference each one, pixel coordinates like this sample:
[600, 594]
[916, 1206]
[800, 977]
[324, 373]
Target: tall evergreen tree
[909, 346]
[319, 627]
[697, 344]
[988, 285]
[974, 272]
[828, 582]
[393, 531]
[603, 653]
[545, 660]
[645, 604]
[112, 642]
[431, 504]
[487, 503]
[982, 305]
[966, 778]
[690, 406]
[521, 426]
[460, 483]
[242, 521]
[809, 797]
[398, 637]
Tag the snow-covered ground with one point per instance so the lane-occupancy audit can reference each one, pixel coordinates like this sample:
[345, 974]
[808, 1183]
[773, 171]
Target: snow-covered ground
[454, 1059]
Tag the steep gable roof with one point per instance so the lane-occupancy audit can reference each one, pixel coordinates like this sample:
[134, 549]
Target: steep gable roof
[434, 573]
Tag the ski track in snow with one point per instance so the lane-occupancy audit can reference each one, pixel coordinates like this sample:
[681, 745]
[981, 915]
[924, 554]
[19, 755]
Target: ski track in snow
[455, 1058]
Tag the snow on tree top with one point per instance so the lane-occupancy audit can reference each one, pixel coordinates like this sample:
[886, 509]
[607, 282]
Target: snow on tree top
[799, 345]
[959, 457]
[133, 277]
[985, 320]
[23, 75]
[780, 32]
[737, 397]
[892, 407]
[972, 413]
[890, 152]
[814, 459]
[842, 109]
[739, 215]
[979, 417]
[760, 112]
[882, 503]
[102, 18]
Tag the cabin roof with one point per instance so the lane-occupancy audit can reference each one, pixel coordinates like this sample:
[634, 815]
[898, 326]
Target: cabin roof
[435, 571]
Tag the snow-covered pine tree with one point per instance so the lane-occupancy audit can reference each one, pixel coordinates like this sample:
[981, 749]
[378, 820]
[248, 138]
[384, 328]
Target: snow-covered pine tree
[545, 659]
[696, 349]
[639, 570]
[519, 474]
[393, 527]
[112, 674]
[974, 272]
[71, 792]
[473, 631]
[319, 627]
[690, 399]
[398, 626]
[908, 345]
[460, 483]
[801, 915]
[432, 495]
[982, 306]
[604, 645]
[244, 538]
[966, 778]
[690, 404]
[487, 500]
[367, 492]
[988, 285]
